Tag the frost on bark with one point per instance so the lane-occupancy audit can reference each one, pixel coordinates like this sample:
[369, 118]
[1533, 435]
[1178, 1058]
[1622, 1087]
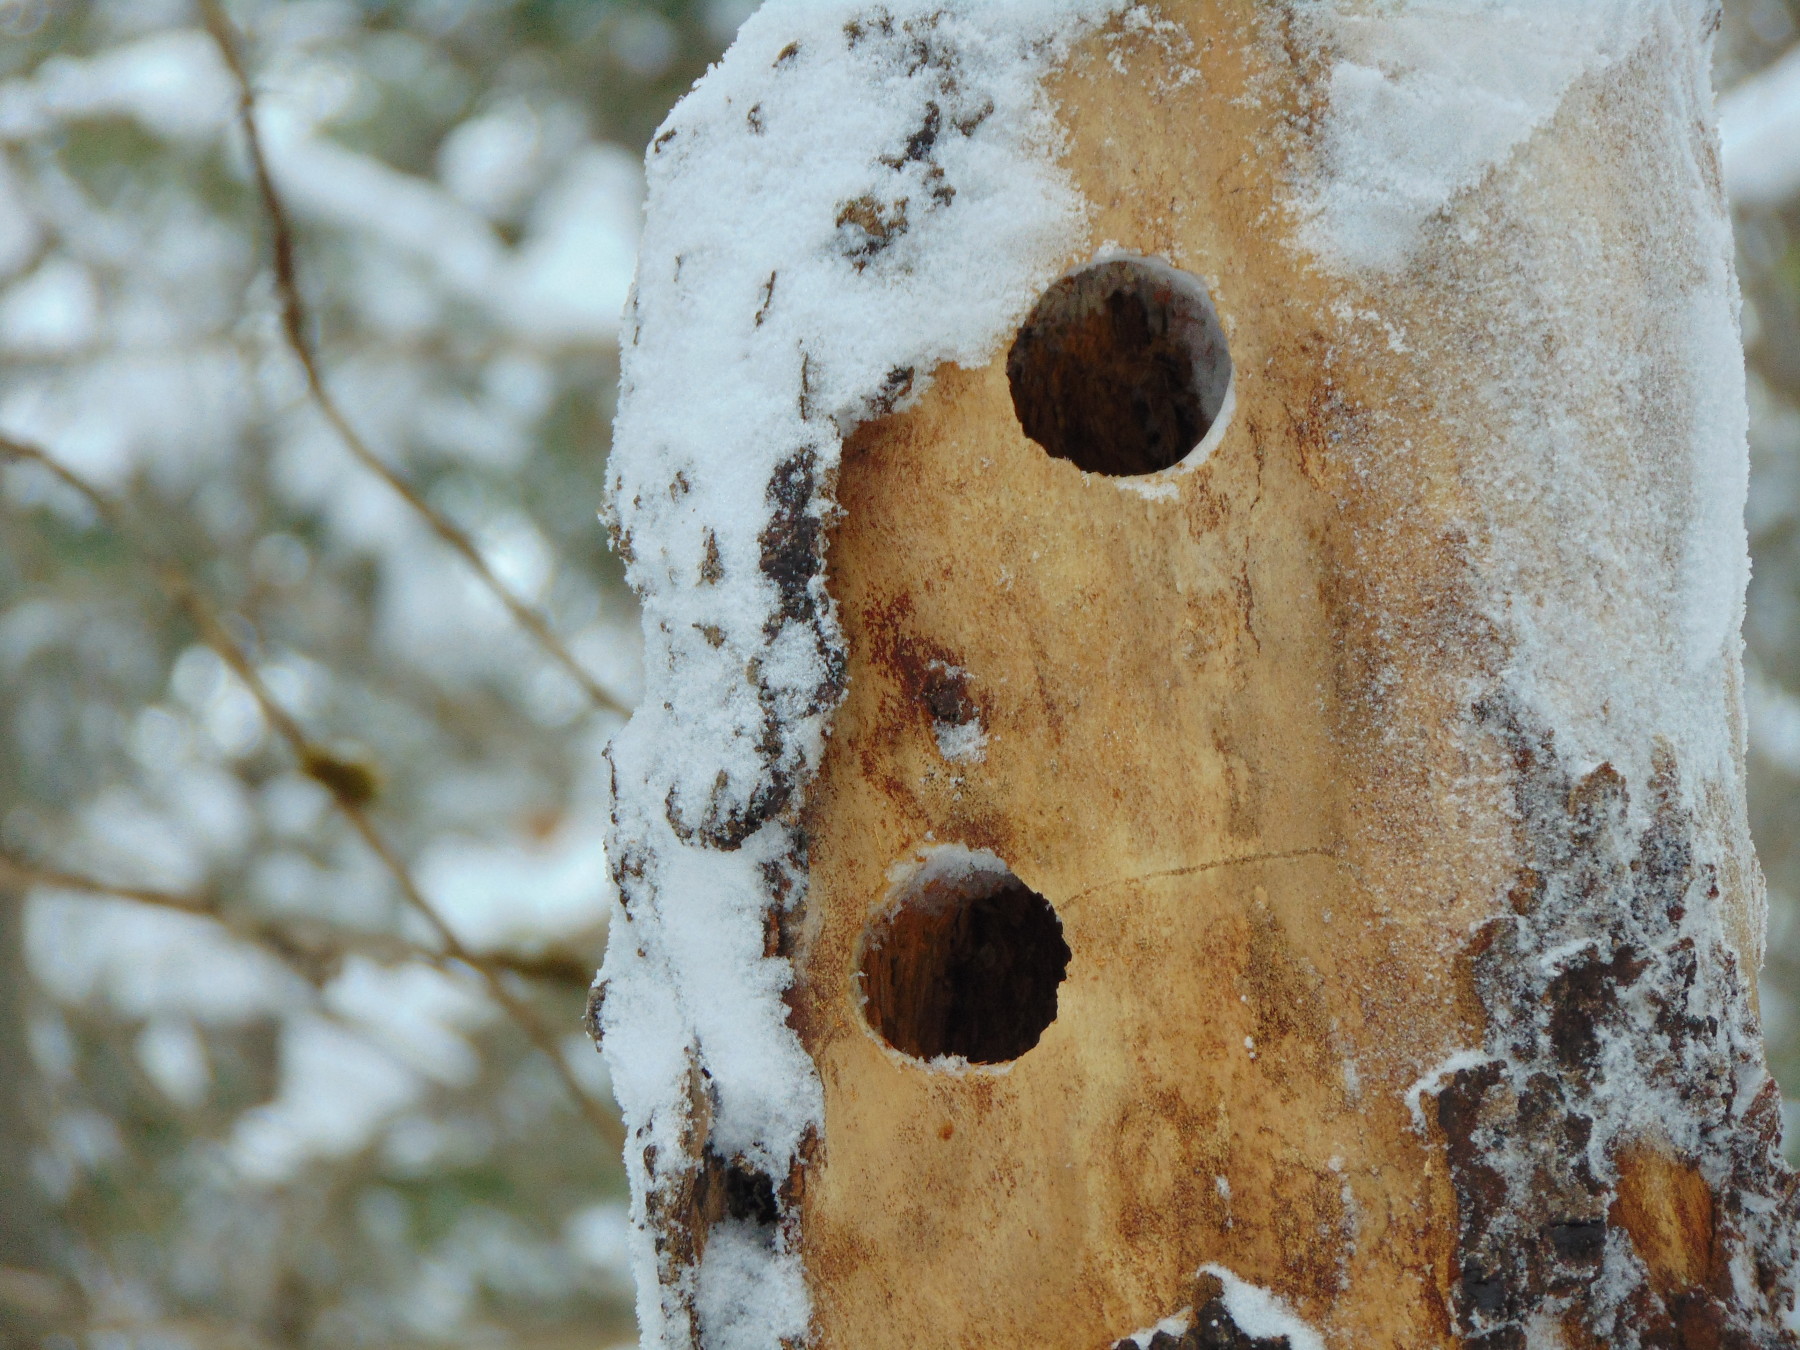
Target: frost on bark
[1606, 988]
[1190, 786]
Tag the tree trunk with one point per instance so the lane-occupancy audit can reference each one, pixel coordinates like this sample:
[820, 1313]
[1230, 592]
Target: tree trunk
[1240, 746]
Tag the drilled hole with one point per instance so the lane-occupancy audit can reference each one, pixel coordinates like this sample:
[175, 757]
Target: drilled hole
[1121, 368]
[966, 964]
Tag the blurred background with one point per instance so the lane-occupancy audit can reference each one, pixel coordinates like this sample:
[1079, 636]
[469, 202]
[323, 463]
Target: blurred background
[290, 1005]
[245, 1097]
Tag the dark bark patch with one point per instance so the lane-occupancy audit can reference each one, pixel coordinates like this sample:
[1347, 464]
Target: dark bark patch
[1600, 991]
[1210, 1327]
[732, 1188]
[867, 227]
[919, 145]
[1584, 998]
[791, 543]
[1579, 1241]
[935, 689]
[712, 567]
[593, 1012]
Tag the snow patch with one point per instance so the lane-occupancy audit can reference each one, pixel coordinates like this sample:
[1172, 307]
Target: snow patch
[1602, 423]
[933, 864]
[1261, 1314]
[1426, 97]
[964, 743]
[745, 1301]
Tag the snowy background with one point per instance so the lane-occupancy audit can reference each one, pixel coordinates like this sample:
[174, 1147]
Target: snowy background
[1758, 72]
[245, 1097]
[286, 1118]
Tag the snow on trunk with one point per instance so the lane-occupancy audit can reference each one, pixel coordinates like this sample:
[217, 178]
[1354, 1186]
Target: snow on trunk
[854, 196]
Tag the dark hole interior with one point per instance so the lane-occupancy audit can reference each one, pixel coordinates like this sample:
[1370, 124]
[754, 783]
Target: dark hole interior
[1121, 368]
[968, 970]
[734, 1190]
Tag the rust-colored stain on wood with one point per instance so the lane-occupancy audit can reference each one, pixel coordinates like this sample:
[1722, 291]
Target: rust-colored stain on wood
[1667, 1207]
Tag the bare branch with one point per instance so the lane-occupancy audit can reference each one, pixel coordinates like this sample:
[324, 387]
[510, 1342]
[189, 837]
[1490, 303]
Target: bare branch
[314, 940]
[20, 873]
[345, 791]
[294, 327]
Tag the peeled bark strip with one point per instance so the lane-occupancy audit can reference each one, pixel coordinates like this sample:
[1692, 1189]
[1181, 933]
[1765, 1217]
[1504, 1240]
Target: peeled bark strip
[1190, 791]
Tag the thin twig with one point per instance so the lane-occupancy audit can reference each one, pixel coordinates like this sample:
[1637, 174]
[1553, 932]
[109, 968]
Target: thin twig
[347, 790]
[313, 939]
[294, 327]
[19, 873]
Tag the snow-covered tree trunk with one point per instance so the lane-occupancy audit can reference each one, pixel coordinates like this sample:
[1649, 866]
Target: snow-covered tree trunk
[1191, 771]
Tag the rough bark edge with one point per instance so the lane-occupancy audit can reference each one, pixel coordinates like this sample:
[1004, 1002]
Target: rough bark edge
[1614, 1146]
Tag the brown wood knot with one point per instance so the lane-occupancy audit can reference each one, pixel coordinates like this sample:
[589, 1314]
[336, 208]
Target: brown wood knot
[345, 774]
[946, 695]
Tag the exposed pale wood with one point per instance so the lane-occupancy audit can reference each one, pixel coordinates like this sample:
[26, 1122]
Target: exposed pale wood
[1221, 724]
[1669, 1209]
[1163, 686]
